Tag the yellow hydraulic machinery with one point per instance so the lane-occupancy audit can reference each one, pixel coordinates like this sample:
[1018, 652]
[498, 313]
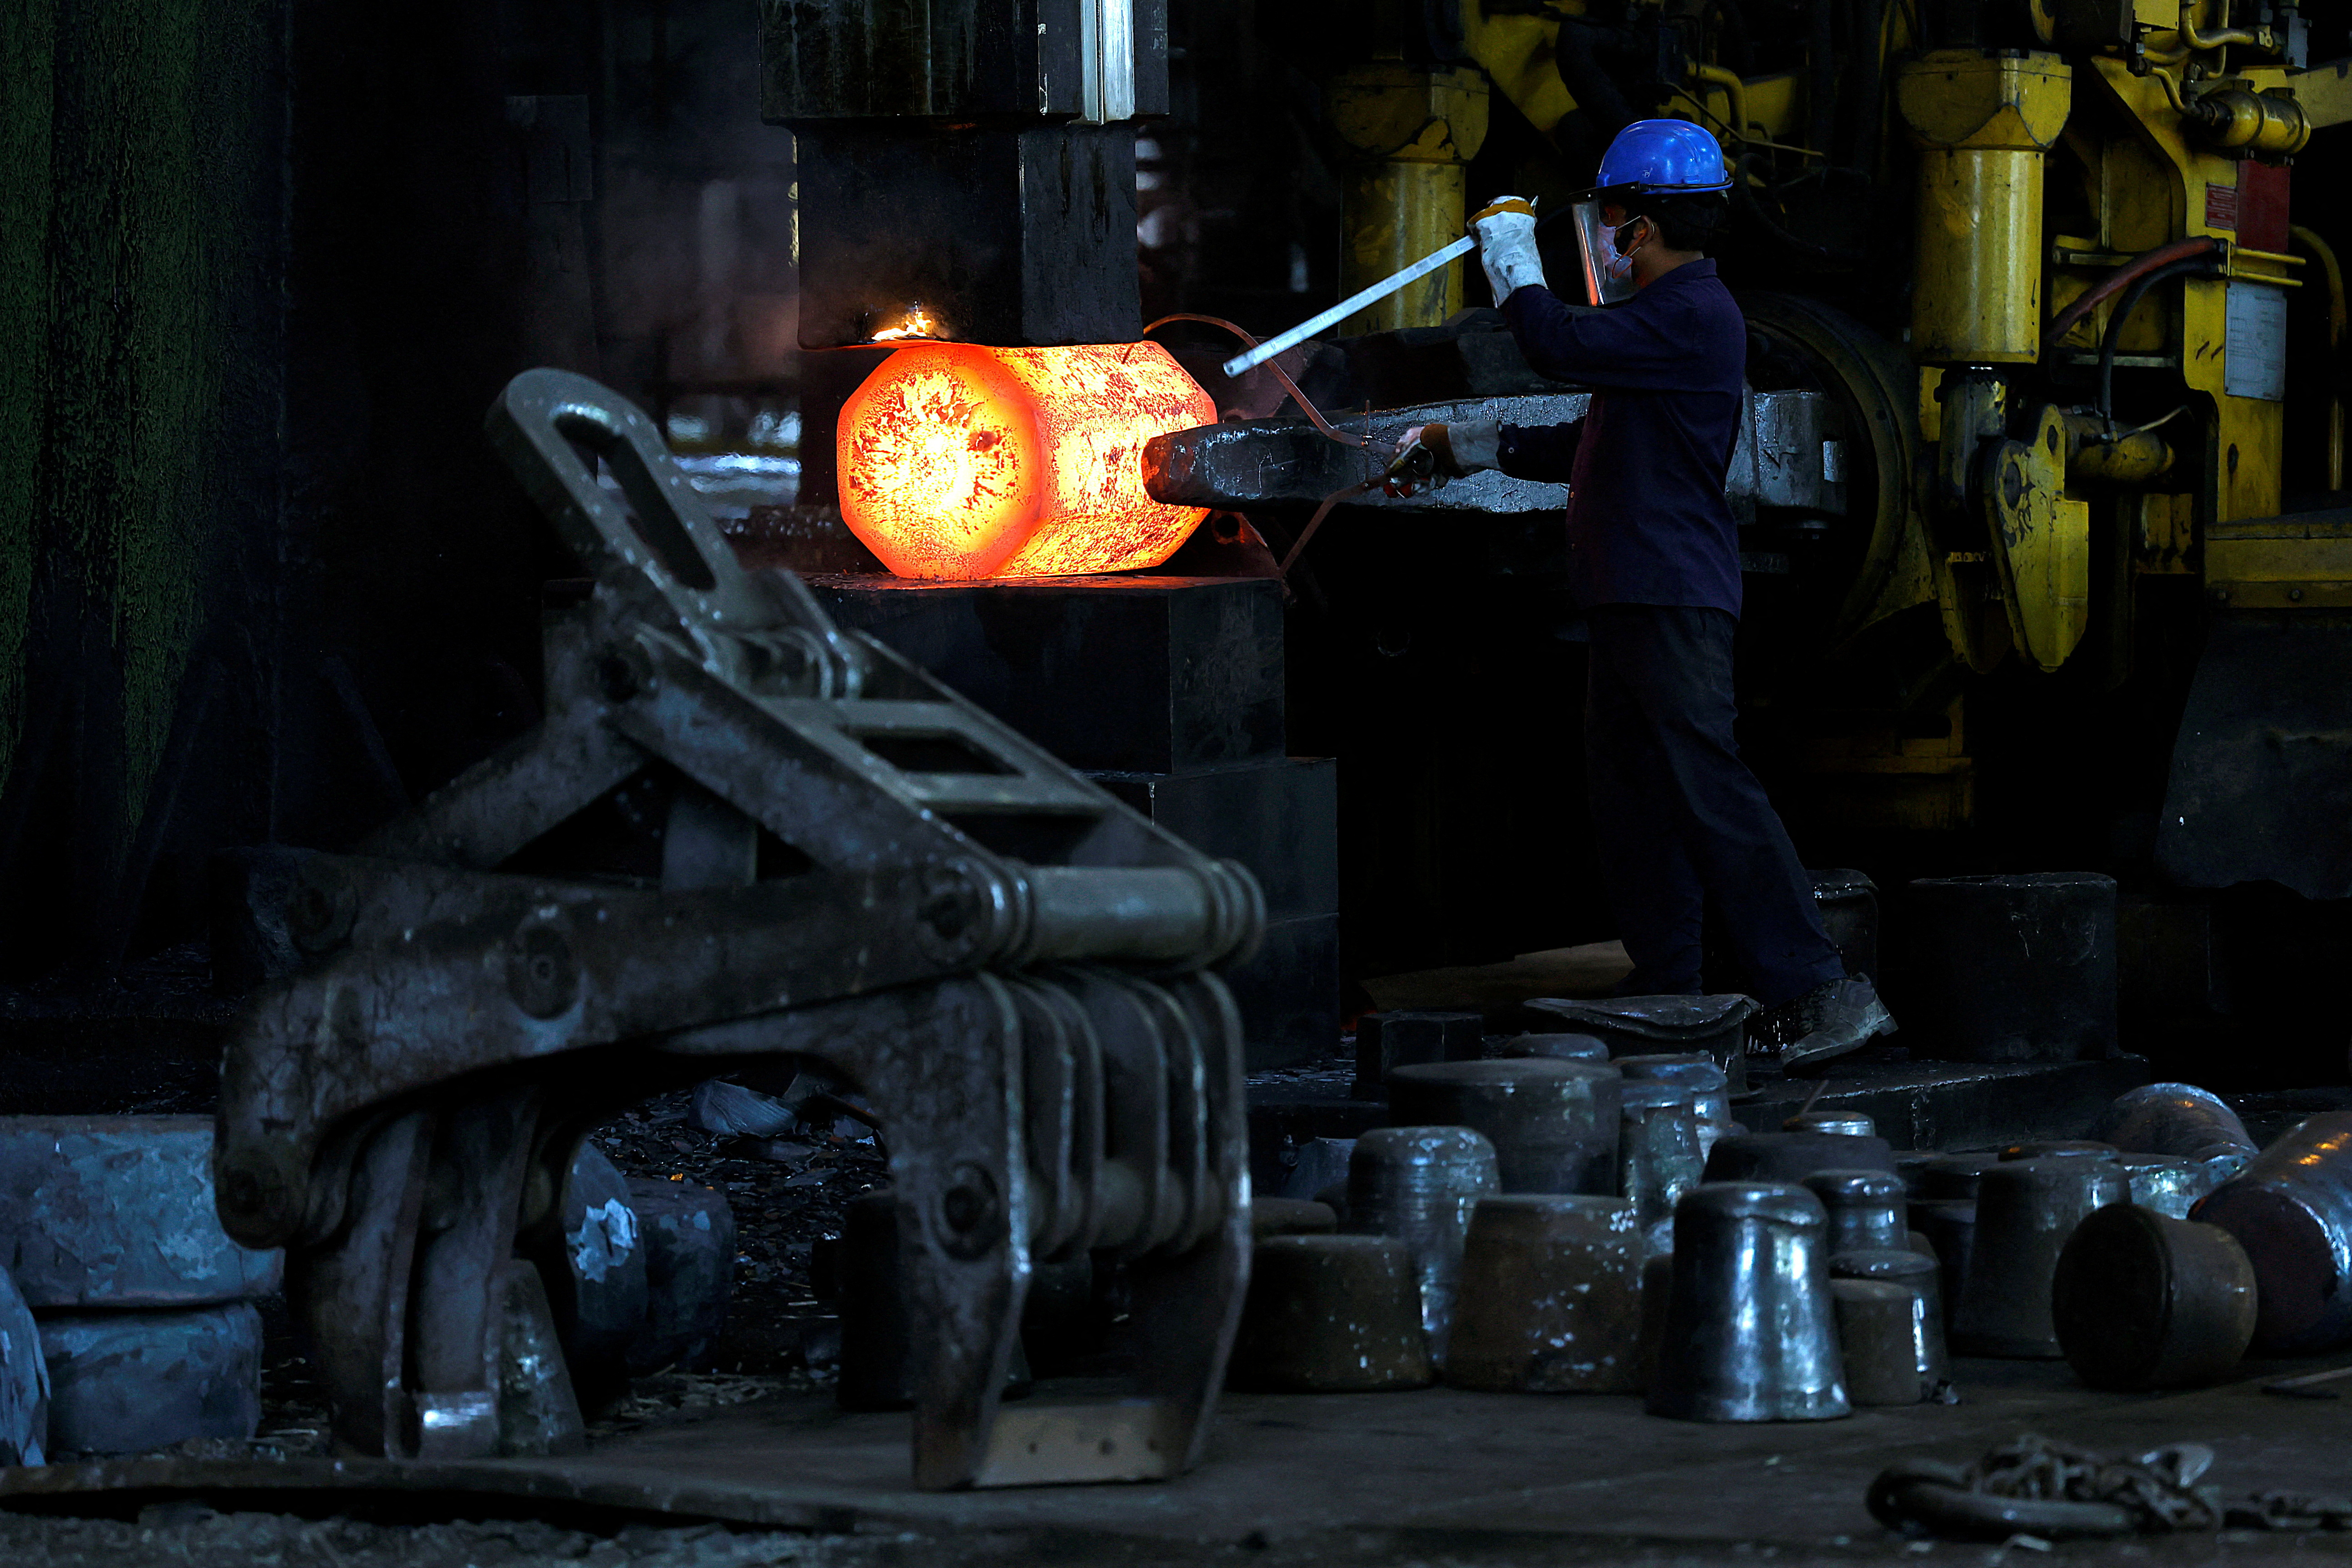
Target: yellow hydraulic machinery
[2040, 255]
[1411, 133]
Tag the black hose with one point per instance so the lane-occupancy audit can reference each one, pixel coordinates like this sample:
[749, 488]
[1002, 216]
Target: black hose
[1733, 49]
[2124, 308]
[1863, 104]
[1586, 83]
[1820, 68]
[1956, 24]
[1744, 197]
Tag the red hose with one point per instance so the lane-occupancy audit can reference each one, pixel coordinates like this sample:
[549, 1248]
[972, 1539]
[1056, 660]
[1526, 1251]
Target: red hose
[1314, 413]
[2121, 278]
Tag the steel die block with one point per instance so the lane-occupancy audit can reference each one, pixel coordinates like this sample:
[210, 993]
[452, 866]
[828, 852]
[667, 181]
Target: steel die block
[117, 1211]
[1289, 991]
[688, 1233]
[1279, 816]
[124, 1382]
[1138, 673]
[24, 1381]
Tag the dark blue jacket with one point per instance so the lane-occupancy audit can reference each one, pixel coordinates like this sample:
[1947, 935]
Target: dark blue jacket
[1647, 523]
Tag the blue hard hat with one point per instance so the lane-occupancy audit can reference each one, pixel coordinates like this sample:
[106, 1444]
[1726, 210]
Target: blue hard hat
[1664, 157]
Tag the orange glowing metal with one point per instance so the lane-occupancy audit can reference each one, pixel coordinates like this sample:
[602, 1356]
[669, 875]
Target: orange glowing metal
[962, 461]
[917, 325]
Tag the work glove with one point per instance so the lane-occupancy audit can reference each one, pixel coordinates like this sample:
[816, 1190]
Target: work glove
[1506, 229]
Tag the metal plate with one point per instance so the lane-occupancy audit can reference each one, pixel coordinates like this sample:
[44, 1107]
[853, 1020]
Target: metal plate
[1048, 1107]
[1137, 1206]
[1188, 1160]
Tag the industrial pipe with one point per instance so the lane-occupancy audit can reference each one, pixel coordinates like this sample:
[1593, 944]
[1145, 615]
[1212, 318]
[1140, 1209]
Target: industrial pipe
[2146, 261]
[2248, 123]
[2257, 37]
[1734, 89]
[2105, 455]
[1821, 81]
[2186, 266]
[2336, 321]
[1984, 123]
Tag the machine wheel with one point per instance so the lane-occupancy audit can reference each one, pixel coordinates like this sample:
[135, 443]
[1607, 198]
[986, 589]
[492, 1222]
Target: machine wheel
[1810, 346]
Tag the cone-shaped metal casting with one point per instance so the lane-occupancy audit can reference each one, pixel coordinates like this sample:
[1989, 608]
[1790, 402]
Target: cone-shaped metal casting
[2026, 1210]
[1751, 1329]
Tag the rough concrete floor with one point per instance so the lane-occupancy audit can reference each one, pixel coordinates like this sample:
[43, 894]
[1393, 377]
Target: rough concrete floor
[184, 1536]
[188, 1536]
[1439, 1478]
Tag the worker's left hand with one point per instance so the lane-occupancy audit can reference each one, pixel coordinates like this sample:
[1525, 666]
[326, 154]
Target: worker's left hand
[1432, 454]
[1424, 457]
[1505, 230]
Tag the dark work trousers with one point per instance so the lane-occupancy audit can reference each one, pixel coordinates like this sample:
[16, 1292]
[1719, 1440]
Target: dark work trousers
[1682, 823]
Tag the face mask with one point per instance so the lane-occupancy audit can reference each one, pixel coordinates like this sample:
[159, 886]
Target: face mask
[1607, 278]
[1621, 259]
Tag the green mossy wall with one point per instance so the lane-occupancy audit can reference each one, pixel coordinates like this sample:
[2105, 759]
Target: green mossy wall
[142, 144]
[25, 51]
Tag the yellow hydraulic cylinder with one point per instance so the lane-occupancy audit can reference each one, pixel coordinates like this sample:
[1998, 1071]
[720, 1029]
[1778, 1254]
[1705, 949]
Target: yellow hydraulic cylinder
[1983, 123]
[1412, 132]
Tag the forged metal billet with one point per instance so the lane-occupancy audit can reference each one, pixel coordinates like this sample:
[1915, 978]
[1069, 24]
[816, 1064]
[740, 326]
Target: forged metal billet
[1553, 1123]
[1882, 1333]
[2170, 1184]
[2173, 1119]
[1658, 1155]
[2291, 1209]
[2145, 1300]
[1333, 1314]
[1710, 1091]
[1918, 1274]
[1551, 1296]
[1865, 1209]
[1833, 1123]
[1561, 1047]
[1418, 1185]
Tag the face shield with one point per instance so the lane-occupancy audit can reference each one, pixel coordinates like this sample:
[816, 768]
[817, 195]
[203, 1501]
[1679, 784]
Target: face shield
[1606, 276]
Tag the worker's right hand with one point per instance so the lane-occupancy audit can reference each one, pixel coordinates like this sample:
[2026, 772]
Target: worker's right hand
[1505, 230]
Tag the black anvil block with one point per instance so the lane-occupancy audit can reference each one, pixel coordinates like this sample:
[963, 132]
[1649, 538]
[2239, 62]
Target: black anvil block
[1279, 817]
[1126, 674]
[1289, 993]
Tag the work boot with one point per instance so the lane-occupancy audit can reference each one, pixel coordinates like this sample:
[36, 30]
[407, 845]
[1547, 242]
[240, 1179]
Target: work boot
[1832, 1019]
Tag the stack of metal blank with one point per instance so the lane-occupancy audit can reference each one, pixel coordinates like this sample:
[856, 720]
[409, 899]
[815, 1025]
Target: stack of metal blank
[144, 1305]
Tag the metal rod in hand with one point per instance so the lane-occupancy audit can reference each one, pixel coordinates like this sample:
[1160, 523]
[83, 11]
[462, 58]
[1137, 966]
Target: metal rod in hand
[1349, 306]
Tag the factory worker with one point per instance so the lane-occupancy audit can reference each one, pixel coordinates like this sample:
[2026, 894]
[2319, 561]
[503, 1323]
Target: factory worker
[1653, 562]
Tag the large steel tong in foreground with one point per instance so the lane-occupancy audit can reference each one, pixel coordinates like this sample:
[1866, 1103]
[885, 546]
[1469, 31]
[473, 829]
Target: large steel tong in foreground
[835, 859]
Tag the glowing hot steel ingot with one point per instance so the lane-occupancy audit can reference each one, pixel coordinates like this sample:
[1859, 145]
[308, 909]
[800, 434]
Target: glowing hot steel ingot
[960, 461]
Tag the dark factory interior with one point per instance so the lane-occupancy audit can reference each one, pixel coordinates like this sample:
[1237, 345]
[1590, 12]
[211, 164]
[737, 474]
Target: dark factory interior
[1156, 782]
